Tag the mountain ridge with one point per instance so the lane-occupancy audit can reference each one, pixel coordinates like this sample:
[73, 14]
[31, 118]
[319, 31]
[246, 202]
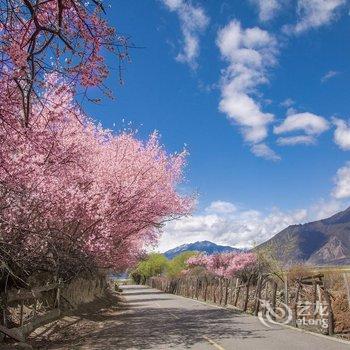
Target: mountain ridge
[321, 242]
[207, 247]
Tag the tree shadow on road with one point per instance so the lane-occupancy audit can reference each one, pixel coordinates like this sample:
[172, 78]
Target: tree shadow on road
[146, 292]
[143, 326]
[145, 300]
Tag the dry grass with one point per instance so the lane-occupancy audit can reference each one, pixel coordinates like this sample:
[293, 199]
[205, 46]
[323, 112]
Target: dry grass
[297, 272]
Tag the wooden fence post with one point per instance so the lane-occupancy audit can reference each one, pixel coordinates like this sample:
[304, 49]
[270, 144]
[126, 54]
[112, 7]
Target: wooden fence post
[221, 289]
[214, 292]
[198, 284]
[295, 305]
[58, 293]
[286, 296]
[231, 291]
[258, 295]
[274, 295]
[245, 306]
[238, 289]
[5, 300]
[266, 290]
[314, 298]
[226, 291]
[330, 310]
[347, 286]
[211, 289]
[4, 311]
[206, 288]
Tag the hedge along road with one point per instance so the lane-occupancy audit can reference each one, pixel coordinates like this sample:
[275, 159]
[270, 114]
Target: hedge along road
[156, 320]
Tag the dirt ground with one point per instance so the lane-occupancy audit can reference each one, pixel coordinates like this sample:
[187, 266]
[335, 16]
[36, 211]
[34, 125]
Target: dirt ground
[78, 326]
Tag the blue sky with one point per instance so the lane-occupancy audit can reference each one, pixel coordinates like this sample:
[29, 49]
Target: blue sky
[258, 91]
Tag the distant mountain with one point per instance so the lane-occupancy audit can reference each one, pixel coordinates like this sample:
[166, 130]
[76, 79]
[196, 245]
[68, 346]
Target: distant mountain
[203, 246]
[323, 242]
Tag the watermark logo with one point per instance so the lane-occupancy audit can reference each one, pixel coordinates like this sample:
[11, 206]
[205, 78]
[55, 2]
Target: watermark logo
[268, 316]
[308, 314]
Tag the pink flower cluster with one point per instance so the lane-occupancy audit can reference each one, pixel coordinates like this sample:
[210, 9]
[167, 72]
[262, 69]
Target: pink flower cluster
[224, 264]
[69, 185]
[70, 33]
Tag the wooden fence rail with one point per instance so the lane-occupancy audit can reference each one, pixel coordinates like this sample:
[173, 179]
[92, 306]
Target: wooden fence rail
[18, 298]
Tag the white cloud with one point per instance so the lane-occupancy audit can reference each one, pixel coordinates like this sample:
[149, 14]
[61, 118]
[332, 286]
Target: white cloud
[248, 52]
[264, 151]
[326, 208]
[342, 182]
[291, 111]
[223, 222]
[193, 22]
[267, 8]
[311, 124]
[342, 133]
[296, 140]
[241, 228]
[173, 5]
[221, 207]
[287, 103]
[314, 13]
[329, 75]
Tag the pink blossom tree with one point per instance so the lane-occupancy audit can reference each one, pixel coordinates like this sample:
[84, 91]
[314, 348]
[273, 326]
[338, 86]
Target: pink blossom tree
[223, 265]
[73, 193]
[68, 37]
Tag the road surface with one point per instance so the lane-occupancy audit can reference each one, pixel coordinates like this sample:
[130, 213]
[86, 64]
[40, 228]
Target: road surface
[150, 319]
[156, 320]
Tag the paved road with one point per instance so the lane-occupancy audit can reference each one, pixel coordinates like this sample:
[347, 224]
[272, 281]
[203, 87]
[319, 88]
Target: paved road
[155, 320]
